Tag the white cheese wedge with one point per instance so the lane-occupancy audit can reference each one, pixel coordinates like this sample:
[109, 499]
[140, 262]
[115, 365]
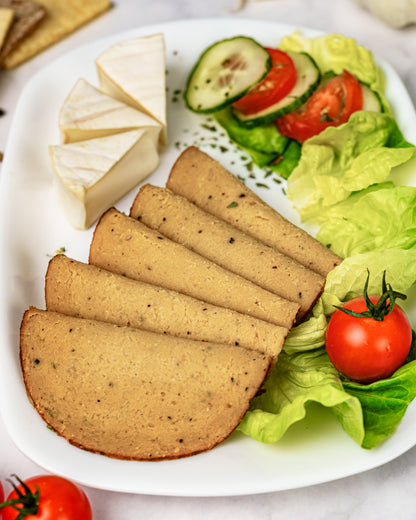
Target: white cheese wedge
[94, 174]
[134, 72]
[88, 113]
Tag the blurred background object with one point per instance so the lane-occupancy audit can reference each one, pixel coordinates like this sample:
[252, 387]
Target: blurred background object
[241, 3]
[397, 13]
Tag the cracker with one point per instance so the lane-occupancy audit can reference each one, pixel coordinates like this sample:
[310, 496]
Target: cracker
[27, 15]
[63, 18]
[6, 19]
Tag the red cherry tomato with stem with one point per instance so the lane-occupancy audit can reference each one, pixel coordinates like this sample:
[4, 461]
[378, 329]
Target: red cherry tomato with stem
[46, 497]
[277, 84]
[330, 105]
[364, 346]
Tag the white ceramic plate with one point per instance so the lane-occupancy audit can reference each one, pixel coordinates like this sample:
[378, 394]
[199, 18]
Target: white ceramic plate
[32, 228]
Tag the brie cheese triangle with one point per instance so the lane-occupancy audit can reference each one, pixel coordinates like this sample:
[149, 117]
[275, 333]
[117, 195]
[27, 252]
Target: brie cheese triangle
[88, 113]
[94, 174]
[134, 72]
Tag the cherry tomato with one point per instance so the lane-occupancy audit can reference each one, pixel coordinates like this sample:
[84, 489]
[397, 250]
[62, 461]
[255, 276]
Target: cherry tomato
[275, 86]
[330, 105]
[364, 349]
[58, 499]
[1, 495]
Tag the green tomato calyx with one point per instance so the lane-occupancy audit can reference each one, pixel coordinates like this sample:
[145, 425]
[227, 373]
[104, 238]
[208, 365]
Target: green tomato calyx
[27, 502]
[384, 306]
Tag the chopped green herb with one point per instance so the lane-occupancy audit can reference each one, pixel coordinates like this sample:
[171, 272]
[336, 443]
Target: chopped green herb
[211, 128]
[61, 250]
[232, 205]
[250, 166]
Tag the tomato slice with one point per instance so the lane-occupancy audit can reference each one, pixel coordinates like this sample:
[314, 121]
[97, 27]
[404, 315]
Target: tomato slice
[330, 105]
[275, 86]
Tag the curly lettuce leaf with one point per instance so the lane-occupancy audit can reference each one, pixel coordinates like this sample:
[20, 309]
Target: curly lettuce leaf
[297, 380]
[345, 159]
[385, 402]
[310, 334]
[371, 220]
[367, 413]
[347, 280]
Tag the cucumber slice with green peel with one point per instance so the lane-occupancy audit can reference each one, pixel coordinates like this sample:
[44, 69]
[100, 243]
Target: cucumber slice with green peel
[371, 100]
[308, 78]
[224, 72]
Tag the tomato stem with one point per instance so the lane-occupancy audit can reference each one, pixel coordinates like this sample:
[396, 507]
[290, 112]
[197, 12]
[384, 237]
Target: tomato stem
[384, 305]
[27, 502]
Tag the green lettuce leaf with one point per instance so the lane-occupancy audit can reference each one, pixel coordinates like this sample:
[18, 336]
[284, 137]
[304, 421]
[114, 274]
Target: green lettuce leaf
[265, 138]
[297, 380]
[347, 280]
[385, 402]
[336, 53]
[265, 145]
[287, 162]
[345, 159]
[310, 334]
[371, 220]
[368, 413]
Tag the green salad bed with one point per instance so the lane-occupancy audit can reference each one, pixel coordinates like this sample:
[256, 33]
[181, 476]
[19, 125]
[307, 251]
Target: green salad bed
[342, 182]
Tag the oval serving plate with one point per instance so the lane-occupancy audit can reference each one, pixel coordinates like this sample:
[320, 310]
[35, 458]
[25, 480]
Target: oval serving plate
[33, 228]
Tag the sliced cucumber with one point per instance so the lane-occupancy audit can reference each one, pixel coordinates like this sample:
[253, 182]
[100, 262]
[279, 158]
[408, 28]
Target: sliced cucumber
[371, 100]
[224, 72]
[308, 77]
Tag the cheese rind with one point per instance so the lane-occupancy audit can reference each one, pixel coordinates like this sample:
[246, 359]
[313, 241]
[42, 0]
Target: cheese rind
[88, 113]
[93, 175]
[134, 72]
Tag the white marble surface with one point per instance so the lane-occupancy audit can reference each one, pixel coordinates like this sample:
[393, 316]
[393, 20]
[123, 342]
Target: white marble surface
[385, 492]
